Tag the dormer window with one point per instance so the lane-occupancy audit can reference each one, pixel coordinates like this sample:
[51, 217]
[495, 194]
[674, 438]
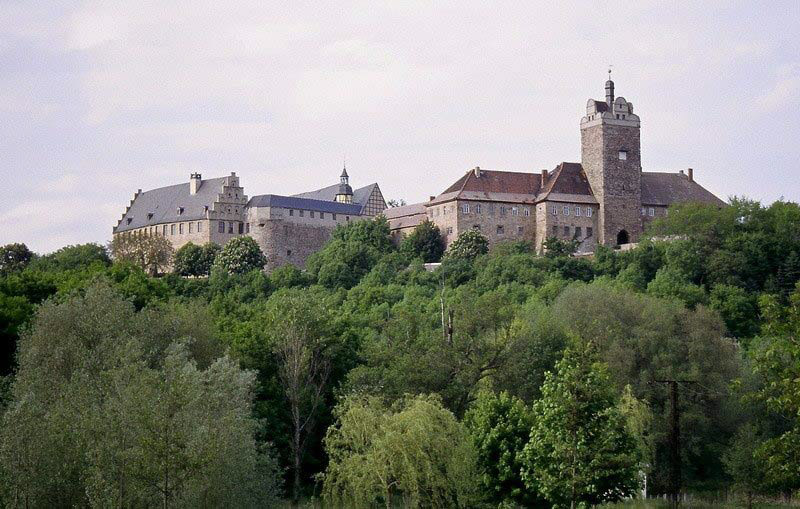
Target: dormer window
[180, 211]
[623, 155]
[130, 219]
[149, 216]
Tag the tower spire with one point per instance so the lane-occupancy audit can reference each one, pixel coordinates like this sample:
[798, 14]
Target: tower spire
[609, 89]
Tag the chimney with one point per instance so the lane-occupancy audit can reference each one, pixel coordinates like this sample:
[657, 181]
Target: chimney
[477, 171]
[195, 180]
[691, 175]
[544, 177]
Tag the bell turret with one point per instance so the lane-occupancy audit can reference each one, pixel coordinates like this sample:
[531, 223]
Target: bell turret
[345, 193]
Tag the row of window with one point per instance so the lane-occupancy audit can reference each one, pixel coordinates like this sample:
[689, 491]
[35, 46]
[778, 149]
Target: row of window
[477, 209]
[567, 229]
[302, 213]
[648, 211]
[578, 210]
[233, 227]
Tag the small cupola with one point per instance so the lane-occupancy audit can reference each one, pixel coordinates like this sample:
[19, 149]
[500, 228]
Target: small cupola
[345, 192]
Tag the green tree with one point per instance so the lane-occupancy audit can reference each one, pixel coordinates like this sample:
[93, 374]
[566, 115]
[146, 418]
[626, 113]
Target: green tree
[424, 242]
[127, 411]
[555, 247]
[412, 454]
[239, 256]
[500, 426]
[737, 308]
[776, 358]
[742, 464]
[669, 283]
[81, 256]
[580, 451]
[188, 260]
[14, 257]
[469, 245]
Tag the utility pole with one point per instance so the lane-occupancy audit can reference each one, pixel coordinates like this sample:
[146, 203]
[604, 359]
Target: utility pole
[674, 440]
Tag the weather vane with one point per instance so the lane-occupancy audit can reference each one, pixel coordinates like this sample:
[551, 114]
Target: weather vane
[609, 71]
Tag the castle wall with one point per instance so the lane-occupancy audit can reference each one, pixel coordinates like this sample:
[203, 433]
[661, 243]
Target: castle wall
[566, 226]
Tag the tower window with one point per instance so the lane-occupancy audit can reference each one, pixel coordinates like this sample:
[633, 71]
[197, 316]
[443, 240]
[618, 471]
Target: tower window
[478, 208]
[566, 210]
[577, 210]
[527, 212]
[588, 211]
[623, 155]
[651, 212]
[555, 210]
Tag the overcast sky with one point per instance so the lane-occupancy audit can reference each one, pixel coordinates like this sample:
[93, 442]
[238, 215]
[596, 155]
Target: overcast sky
[100, 98]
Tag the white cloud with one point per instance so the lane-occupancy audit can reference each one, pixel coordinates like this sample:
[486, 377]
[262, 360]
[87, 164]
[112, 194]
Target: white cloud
[91, 28]
[785, 91]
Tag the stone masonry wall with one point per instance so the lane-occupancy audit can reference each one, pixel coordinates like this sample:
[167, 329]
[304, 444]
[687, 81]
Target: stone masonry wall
[616, 183]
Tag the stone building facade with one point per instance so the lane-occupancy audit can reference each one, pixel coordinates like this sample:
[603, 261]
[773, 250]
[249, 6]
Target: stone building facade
[287, 228]
[605, 199]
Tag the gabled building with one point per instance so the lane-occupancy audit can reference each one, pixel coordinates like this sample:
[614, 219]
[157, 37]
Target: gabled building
[287, 228]
[605, 199]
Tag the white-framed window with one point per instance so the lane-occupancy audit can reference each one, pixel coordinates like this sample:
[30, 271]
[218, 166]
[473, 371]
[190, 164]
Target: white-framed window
[589, 211]
[565, 210]
[502, 211]
[514, 211]
[477, 208]
[555, 210]
[465, 208]
[578, 210]
[526, 212]
[651, 212]
[623, 155]
[644, 211]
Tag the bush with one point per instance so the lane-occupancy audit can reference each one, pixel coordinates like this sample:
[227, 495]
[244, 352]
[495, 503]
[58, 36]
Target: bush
[239, 256]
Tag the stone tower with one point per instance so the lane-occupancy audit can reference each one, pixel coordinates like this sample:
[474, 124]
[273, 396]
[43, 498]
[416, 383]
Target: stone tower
[611, 158]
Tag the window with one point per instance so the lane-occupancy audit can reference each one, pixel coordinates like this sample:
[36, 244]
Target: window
[199, 226]
[222, 227]
[555, 210]
[302, 213]
[465, 208]
[247, 228]
[449, 230]
[589, 231]
[577, 210]
[589, 211]
[164, 230]
[502, 211]
[334, 217]
[477, 208]
[312, 213]
[288, 252]
[476, 227]
[578, 232]
[519, 230]
[180, 229]
[527, 212]
[500, 229]
[172, 229]
[644, 211]
[566, 231]
[322, 215]
[241, 228]
[347, 218]
[230, 227]
[651, 212]
[623, 154]
[291, 212]
[555, 231]
[566, 210]
[514, 211]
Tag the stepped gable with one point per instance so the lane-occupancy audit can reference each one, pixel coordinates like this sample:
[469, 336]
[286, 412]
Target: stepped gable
[664, 189]
[161, 205]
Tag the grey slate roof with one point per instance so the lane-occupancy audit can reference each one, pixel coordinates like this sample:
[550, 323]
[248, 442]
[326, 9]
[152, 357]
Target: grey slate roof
[163, 204]
[360, 196]
[296, 202]
[666, 188]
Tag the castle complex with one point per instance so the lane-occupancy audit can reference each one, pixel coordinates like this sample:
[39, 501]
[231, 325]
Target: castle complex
[605, 199]
[288, 229]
